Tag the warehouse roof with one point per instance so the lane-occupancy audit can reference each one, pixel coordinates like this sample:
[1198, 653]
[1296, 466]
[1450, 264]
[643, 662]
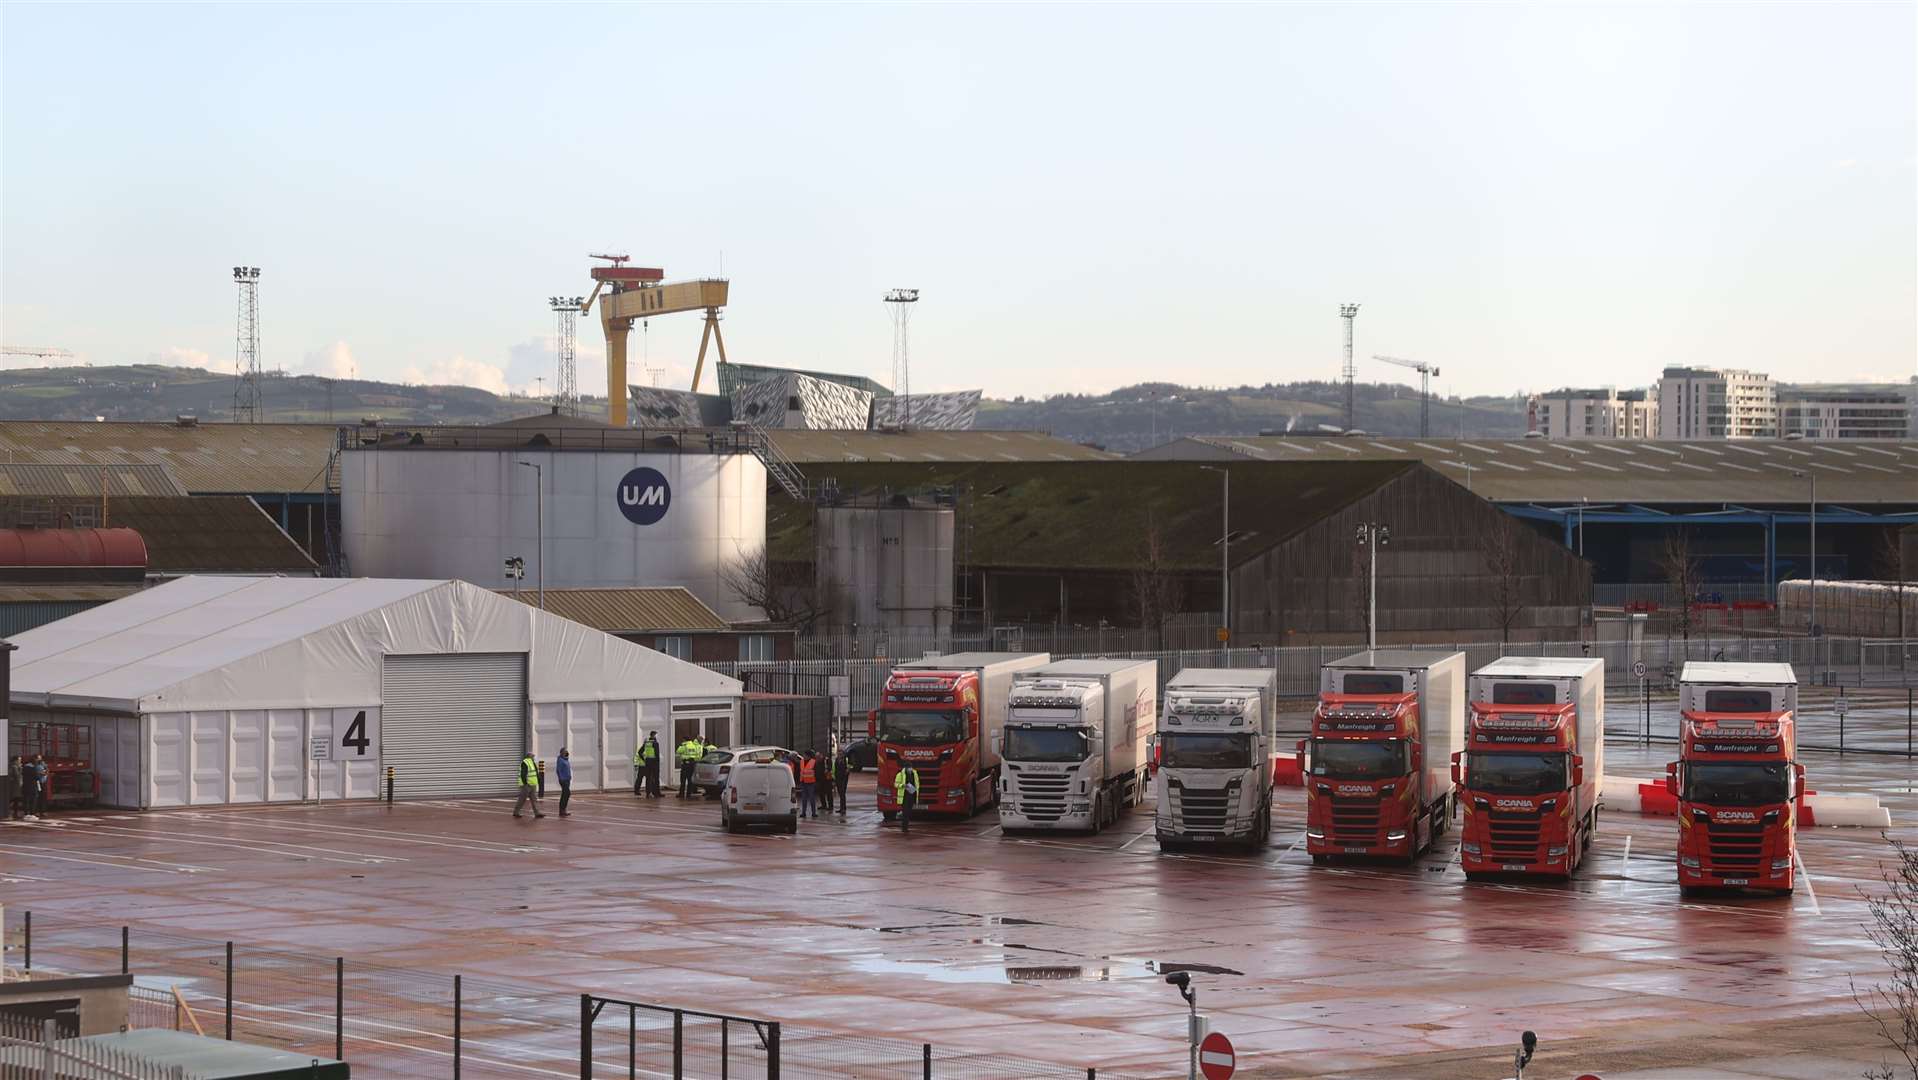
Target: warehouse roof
[1096, 514]
[1540, 470]
[87, 481]
[202, 534]
[206, 458]
[261, 643]
[622, 611]
[817, 447]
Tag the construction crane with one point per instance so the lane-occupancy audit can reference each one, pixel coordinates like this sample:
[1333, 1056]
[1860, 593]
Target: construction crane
[639, 292]
[34, 350]
[1426, 371]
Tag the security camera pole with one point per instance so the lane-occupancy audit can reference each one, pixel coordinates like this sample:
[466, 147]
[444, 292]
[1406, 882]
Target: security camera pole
[1522, 1057]
[1191, 995]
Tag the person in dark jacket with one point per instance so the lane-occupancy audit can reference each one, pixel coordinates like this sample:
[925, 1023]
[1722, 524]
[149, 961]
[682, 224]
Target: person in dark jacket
[823, 777]
[842, 775]
[565, 769]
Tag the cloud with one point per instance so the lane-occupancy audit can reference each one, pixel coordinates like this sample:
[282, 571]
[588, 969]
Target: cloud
[1846, 163]
[181, 356]
[334, 362]
[458, 371]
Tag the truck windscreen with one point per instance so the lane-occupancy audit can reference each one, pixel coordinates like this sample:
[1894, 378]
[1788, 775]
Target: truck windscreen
[1374, 683]
[1047, 744]
[1515, 774]
[1738, 701]
[1197, 750]
[1358, 760]
[1523, 693]
[1738, 783]
[927, 728]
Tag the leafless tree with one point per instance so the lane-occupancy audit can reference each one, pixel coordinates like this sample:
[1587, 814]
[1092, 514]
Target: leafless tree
[1891, 564]
[1893, 1005]
[1683, 573]
[786, 592]
[1499, 544]
[1157, 589]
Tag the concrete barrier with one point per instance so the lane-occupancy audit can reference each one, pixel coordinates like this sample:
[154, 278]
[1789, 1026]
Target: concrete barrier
[1631, 795]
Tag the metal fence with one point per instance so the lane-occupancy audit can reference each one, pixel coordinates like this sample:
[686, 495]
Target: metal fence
[396, 1021]
[34, 1050]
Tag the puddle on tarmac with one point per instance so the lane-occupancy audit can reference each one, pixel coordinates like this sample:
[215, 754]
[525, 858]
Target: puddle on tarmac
[163, 982]
[1109, 969]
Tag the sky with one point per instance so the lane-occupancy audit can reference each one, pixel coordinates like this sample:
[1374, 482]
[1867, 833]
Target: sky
[1088, 196]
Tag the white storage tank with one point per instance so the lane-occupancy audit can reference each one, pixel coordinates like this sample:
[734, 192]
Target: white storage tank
[613, 517]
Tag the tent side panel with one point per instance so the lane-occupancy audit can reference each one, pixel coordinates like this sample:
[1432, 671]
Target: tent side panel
[656, 718]
[549, 734]
[210, 777]
[286, 755]
[619, 745]
[582, 742]
[169, 759]
[248, 752]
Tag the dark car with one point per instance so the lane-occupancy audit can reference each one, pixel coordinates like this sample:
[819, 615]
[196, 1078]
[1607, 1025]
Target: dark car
[862, 754]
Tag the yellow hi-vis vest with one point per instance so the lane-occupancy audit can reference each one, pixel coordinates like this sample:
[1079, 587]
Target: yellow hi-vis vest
[528, 771]
[900, 780]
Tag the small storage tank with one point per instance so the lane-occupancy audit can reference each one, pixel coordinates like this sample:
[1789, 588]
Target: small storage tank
[887, 565]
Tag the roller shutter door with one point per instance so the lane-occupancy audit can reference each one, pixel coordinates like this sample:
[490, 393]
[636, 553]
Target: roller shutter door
[454, 723]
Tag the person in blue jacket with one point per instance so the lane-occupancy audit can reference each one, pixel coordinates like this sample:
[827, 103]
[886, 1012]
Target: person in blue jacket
[565, 764]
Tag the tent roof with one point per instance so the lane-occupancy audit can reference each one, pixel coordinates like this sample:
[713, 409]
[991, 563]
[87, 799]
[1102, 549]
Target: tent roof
[252, 643]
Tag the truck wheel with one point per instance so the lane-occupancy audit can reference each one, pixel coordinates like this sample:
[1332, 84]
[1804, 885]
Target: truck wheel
[1098, 814]
[972, 802]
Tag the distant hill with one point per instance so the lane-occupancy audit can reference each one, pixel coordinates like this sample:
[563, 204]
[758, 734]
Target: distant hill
[158, 392]
[1130, 418]
[1135, 417]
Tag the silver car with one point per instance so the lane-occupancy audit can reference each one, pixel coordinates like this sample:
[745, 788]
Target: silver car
[710, 774]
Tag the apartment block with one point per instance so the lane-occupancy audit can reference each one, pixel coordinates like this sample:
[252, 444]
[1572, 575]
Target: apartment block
[1595, 414]
[1708, 403]
[1844, 413]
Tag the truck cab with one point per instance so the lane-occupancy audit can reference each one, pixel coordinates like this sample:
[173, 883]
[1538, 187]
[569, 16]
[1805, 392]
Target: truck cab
[1737, 779]
[940, 716]
[1533, 764]
[1073, 750]
[1212, 758]
[1378, 782]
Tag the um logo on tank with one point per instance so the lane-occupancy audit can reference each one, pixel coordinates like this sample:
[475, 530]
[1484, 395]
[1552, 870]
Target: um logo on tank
[644, 496]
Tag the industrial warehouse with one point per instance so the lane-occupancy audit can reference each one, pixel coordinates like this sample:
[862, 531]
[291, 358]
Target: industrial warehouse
[1110, 542]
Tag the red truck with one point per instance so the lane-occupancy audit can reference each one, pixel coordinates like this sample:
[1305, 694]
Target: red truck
[1737, 783]
[942, 716]
[1533, 765]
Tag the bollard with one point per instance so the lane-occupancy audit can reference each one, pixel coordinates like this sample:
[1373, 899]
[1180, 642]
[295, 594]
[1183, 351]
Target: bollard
[389, 785]
[542, 778]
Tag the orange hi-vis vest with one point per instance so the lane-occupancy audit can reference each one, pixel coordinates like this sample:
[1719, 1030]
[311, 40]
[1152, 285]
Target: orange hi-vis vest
[806, 773]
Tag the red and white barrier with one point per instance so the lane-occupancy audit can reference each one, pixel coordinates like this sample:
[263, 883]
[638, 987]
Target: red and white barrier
[1632, 795]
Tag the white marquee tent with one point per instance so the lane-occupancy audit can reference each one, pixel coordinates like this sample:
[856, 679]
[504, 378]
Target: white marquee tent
[213, 690]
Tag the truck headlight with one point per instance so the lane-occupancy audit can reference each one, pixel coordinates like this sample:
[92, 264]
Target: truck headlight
[1555, 853]
[1394, 837]
[1315, 834]
[1687, 860]
[1781, 864]
[1469, 849]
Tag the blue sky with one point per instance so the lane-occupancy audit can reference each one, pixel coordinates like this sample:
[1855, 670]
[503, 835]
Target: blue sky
[1088, 196]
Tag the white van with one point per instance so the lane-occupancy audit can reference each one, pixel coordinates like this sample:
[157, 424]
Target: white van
[759, 793]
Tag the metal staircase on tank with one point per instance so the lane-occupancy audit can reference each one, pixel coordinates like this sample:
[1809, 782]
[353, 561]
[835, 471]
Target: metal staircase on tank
[778, 465]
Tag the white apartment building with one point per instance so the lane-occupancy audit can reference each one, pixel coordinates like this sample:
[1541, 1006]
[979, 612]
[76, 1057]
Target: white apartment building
[1844, 413]
[1595, 414]
[1708, 403]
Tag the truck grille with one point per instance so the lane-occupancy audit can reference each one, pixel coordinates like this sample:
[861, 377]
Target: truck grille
[928, 781]
[1043, 798]
[1514, 835]
[1201, 810]
[1735, 849]
[1355, 822]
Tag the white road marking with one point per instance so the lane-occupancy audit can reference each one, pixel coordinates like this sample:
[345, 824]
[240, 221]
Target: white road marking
[275, 849]
[1805, 876]
[1624, 861]
[161, 868]
[348, 832]
[1293, 848]
[1143, 835]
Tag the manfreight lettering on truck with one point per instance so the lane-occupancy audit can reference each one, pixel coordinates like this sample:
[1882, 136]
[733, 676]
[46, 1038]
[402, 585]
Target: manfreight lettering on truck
[1212, 757]
[1075, 737]
[1379, 780]
[1533, 765]
[942, 716]
[1736, 781]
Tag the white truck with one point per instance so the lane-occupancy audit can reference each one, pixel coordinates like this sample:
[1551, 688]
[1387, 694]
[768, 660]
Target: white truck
[1073, 755]
[1213, 757]
[1533, 765]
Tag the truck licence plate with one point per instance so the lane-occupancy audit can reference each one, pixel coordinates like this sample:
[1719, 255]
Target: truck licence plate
[1513, 868]
[1737, 881]
[1355, 851]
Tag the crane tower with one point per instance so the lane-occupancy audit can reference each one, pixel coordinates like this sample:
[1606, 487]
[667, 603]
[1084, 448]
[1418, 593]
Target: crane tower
[246, 348]
[900, 302]
[1426, 371]
[566, 345]
[1349, 312]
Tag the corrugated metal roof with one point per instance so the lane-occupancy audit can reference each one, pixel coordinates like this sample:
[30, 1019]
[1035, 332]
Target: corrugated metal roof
[85, 481]
[61, 594]
[623, 611]
[814, 447]
[1540, 470]
[205, 458]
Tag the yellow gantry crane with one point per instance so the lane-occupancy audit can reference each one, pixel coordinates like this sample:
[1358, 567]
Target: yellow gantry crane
[639, 292]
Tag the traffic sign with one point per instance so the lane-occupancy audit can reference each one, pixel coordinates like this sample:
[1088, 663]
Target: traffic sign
[1216, 1059]
[1841, 706]
[320, 749]
[1638, 669]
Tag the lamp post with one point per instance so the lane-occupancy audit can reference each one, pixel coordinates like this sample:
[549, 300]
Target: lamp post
[539, 488]
[1372, 536]
[1807, 474]
[1225, 553]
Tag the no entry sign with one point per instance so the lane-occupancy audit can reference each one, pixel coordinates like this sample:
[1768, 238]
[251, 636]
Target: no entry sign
[1216, 1059]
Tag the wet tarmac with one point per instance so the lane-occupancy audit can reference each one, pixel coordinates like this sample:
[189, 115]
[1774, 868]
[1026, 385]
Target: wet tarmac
[1053, 948]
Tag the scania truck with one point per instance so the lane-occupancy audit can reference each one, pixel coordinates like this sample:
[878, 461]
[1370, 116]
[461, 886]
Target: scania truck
[941, 715]
[1213, 757]
[1379, 779]
[1737, 784]
[1532, 767]
[1075, 743]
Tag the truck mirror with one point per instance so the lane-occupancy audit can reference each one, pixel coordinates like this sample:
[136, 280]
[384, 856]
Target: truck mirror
[872, 723]
[1671, 777]
[1457, 759]
[1301, 751]
[1578, 770]
[1798, 773]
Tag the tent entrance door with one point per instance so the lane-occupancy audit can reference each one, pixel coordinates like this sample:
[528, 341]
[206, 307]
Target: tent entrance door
[454, 723]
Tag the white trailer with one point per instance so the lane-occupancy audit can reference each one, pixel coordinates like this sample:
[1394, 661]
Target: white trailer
[1213, 782]
[1719, 687]
[1075, 743]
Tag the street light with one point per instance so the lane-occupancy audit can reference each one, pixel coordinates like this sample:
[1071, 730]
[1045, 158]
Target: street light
[539, 487]
[1373, 536]
[1225, 553]
[1807, 474]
